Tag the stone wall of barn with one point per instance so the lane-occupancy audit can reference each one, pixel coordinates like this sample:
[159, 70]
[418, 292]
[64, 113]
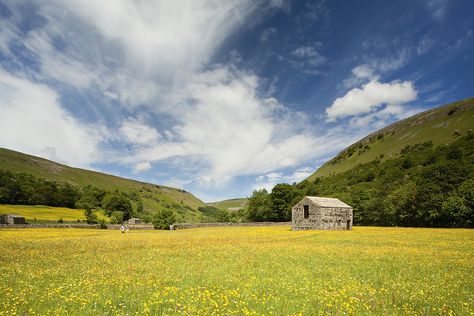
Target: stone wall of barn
[323, 218]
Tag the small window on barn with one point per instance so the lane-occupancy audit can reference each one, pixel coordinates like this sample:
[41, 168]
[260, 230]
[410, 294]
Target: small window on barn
[306, 211]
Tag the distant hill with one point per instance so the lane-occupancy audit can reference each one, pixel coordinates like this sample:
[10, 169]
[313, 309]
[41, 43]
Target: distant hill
[415, 172]
[230, 205]
[154, 197]
[441, 126]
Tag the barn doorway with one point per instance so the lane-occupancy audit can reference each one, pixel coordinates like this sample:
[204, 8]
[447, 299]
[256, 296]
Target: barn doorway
[305, 211]
[348, 224]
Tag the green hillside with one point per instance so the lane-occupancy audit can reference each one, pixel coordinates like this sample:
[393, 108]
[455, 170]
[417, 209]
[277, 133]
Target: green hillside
[441, 126]
[416, 172]
[230, 205]
[154, 197]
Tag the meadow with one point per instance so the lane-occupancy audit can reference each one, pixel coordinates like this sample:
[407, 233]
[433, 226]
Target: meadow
[237, 271]
[43, 213]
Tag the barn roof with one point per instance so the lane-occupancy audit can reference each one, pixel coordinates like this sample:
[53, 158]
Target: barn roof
[327, 202]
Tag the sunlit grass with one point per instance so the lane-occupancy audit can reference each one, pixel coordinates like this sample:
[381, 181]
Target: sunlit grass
[237, 271]
[46, 213]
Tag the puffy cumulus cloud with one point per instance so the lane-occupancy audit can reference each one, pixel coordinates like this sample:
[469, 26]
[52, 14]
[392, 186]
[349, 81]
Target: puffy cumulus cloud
[224, 127]
[33, 121]
[142, 166]
[363, 71]
[370, 97]
[136, 131]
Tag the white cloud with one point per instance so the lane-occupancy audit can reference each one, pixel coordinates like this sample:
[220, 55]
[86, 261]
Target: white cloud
[216, 122]
[310, 54]
[424, 45]
[173, 37]
[374, 67]
[267, 34]
[142, 166]
[222, 123]
[360, 74]
[33, 121]
[268, 181]
[390, 63]
[136, 131]
[370, 97]
[363, 71]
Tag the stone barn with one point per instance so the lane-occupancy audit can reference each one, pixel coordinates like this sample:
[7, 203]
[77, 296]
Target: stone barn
[12, 219]
[134, 220]
[314, 212]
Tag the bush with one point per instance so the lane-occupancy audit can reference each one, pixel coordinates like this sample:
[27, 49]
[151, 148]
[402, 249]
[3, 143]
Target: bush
[116, 217]
[91, 217]
[102, 224]
[163, 219]
[60, 220]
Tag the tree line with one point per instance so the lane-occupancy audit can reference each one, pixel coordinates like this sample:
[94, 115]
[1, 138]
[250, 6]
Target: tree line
[26, 189]
[425, 186]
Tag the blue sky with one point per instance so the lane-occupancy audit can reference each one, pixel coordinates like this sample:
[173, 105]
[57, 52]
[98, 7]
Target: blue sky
[222, 97]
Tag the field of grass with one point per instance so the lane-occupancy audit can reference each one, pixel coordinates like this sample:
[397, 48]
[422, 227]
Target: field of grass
[46, 213]
[237, 271]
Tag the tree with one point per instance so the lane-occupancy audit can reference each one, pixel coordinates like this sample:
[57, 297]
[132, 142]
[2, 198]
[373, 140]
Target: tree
[87, 202]
[116, 217]
[214, 214]
[163, 219]
[260, 206]
[66, 195]
[117, 202]
[456, 210]
[399, 205]
[91, 217]
[283, 197]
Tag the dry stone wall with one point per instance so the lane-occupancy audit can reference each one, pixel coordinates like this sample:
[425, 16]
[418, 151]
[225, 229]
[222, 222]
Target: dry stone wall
[254, 224]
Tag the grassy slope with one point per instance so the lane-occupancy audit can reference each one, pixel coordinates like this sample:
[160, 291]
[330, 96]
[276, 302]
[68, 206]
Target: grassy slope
[433, 125]
[154, 197]
[231, 204]
[46, 213]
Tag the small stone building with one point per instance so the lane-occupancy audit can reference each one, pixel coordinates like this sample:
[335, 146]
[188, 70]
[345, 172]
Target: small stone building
[134, 220]
[12, 219]
[314, 212]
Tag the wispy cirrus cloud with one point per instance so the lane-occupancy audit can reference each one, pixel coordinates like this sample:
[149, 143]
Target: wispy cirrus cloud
[209, 116]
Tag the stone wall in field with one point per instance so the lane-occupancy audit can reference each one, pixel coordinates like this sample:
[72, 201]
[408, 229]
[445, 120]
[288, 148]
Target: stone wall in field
[254, 224]
[149, 227]
[321, 218]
